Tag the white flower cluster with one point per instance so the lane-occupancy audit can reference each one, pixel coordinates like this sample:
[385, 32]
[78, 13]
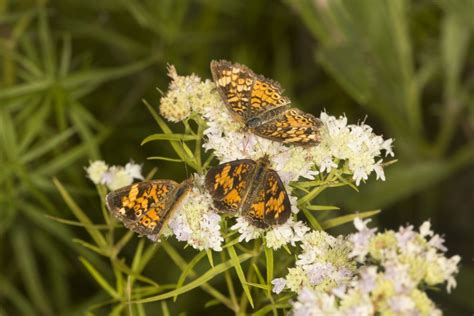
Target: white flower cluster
[356, 145]
[114, 177]
[196, 223]
[185, 95]
[368, 272]
[276, 237]
[354, 148]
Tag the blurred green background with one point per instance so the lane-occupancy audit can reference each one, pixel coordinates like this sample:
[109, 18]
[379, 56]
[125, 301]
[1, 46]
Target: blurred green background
[73, 73]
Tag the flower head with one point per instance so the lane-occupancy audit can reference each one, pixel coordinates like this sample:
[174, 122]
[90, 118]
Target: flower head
[96, 170]
[196, 222]
[114, 177]
[391, 267]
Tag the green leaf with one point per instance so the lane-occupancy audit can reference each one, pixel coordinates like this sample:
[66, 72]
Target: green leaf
[203, 279]
[240, 273]
[99, 278]
[265, 310]
[45, 147]
[80, 215]
[260, 286]
[312, 220]
[173, 137]
[164, 159]
[322, 208]
[188, 269]
[269, 262]
[346, 219]
[28, 267]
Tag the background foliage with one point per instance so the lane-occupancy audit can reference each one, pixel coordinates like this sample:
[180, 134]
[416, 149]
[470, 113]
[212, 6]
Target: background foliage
[73, 73]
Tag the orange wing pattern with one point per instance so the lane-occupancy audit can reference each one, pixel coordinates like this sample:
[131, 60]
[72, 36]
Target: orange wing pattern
[259, 103]
[277, 203]
[250, 188]
[144, 207]
[228, 184]
[234, 83]
[292, 126]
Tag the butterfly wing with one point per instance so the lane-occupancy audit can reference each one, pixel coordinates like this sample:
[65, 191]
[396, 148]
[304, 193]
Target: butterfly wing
[293, 127]
[271, 205]
[228, 182]
[234, 83]
[246, 94]
[266, 97]
[143, 207]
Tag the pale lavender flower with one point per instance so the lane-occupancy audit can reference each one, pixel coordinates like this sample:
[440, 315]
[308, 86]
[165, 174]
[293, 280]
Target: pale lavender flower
[278, 285]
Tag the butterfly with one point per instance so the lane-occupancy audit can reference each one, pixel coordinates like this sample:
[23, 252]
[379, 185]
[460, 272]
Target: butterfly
[259, 104]
[249, 188]
[145, 207]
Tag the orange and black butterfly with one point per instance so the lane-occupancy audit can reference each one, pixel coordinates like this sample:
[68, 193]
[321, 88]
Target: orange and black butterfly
[145, 207]
[259, 103]
[249, 188]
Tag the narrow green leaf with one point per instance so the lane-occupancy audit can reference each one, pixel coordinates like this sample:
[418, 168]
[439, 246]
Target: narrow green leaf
[21, 90]
[211, 303]
[311, 195]
[178, 147]
[99, 278]
[173, 137]
[202, 280]
[312, 220]
[75, 223]
[240, 273]
[346, 219]
[187, 270]
[165, 159]
[260, 286]
[17, 299]
[95, 77]
[45, 147]
[210, 257]
[28, 267]
[80, 215]
[164, 309]
[269, 262]
[91, 247]
[265, 310]
[322, 208]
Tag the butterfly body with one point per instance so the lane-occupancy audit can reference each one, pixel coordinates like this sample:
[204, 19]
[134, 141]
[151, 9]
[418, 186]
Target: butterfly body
[250, 188]
[145, 207]
[259, 104]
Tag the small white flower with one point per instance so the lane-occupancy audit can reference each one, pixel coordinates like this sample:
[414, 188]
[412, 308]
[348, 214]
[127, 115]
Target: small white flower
[196, 223]
[287, 233]
[134, 170]
[116, 178]
[361, 239]
[96, 171]
[356, 145]
[278, 285]
[247, 230]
